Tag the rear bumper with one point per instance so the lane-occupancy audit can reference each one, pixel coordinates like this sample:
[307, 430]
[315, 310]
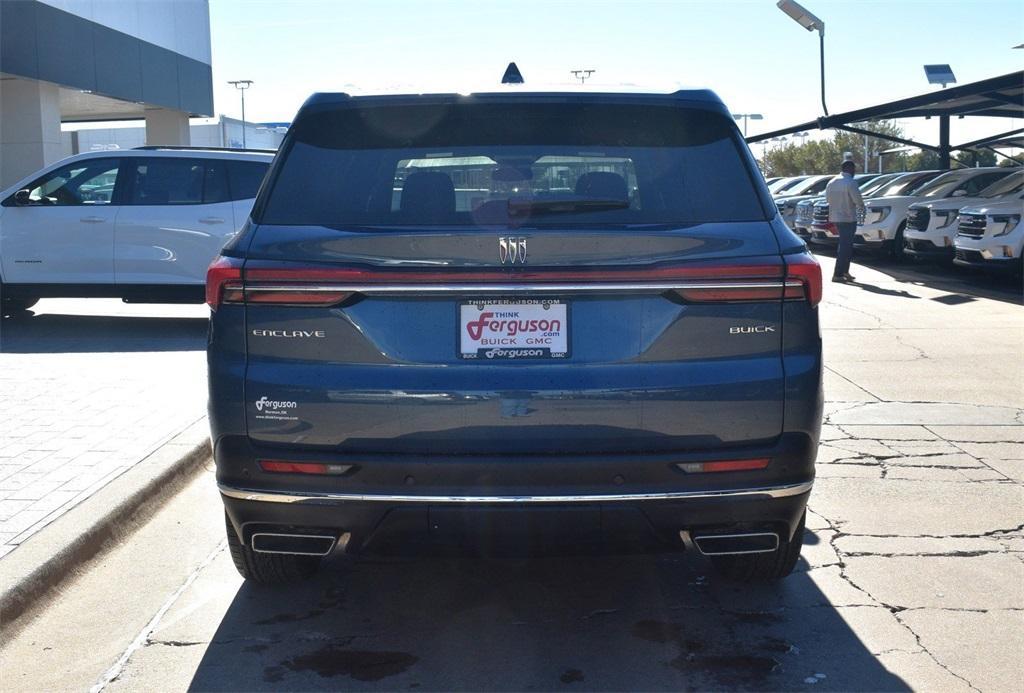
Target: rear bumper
[505, 525]
[620, 503]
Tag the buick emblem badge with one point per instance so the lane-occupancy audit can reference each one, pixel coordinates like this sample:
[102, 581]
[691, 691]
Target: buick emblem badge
[512, 251]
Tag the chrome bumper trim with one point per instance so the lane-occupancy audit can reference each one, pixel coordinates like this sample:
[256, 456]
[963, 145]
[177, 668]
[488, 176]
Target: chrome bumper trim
[328, 498]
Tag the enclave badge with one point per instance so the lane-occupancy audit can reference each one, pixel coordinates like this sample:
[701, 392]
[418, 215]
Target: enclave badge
[511, 250]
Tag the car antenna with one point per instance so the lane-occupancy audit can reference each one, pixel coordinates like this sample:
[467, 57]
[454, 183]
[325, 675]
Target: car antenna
[512, 75]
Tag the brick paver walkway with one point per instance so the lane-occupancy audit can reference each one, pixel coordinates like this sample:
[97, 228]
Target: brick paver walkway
[88, 388]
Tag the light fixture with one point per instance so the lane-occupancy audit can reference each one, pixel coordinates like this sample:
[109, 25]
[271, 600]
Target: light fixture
[802, 16]
[745, 117]
[808, 21]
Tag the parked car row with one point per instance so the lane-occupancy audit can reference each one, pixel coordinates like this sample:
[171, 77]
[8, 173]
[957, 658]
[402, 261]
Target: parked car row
[138, 224]
[968, 216]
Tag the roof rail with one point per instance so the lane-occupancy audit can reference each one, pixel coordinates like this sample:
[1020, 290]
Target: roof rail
[153, 147]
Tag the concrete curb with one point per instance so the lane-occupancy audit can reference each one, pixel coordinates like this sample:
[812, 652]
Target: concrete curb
[61, 549]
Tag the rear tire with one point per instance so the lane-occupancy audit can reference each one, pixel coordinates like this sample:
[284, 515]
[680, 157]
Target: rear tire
[897, 254]
[764, 567]
[267, 568]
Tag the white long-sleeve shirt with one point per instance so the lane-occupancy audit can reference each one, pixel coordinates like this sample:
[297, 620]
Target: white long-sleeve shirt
[845, 203]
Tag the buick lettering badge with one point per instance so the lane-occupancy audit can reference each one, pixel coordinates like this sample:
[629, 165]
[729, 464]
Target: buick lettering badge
[512, 251]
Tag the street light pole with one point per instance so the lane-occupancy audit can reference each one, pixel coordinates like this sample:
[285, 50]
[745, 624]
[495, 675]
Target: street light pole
[582, 75]
[808, 21]
[242, 85]
[745, 117]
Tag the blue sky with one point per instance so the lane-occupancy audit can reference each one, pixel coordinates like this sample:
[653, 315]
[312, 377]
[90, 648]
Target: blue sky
[753, 55]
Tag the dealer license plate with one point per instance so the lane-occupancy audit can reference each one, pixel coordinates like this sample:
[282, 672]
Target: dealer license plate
[493, 330]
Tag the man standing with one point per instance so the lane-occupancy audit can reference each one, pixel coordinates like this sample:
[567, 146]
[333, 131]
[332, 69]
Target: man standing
[845, 207]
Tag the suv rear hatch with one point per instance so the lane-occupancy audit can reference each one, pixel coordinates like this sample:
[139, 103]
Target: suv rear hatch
[513, 276]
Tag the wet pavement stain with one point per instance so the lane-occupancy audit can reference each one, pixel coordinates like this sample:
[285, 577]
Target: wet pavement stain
[726, 669]
[362, 665]
[571, 676]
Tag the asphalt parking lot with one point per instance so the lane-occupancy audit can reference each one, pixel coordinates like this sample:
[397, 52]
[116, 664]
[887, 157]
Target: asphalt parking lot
[912, 573]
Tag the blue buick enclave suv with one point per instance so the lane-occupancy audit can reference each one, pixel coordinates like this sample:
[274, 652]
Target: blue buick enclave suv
[519, 320]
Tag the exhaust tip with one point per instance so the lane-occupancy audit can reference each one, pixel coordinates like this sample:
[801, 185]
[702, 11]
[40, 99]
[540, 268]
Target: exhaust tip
[293, 544]
[737, 544]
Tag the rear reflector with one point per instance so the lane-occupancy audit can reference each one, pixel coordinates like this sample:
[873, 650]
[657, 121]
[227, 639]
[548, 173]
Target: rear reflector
[285, 467]
[724, 465]
[296, 296]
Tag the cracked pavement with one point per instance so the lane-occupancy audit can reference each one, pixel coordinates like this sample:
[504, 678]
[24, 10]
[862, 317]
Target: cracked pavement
[911, 577]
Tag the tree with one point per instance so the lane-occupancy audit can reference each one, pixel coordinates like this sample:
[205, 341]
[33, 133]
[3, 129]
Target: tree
[825, 156]
[927, 160]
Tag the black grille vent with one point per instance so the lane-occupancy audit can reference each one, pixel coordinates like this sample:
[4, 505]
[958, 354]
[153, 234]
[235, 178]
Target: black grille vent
[820, 214]
[969, 255]
[917, 219]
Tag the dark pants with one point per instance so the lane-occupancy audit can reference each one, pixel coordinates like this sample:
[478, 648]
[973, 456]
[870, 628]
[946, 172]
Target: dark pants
[845, 250]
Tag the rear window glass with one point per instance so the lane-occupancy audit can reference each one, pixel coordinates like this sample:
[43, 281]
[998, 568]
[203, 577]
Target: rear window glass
[531, 165]
[1007, 186]
[246, 177]
[167, 181]
[939, 185]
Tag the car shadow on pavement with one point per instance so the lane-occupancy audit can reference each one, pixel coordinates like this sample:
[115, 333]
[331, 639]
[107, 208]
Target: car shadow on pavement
[53, 333]
[961, 281]
[871, 288]
[593, 623]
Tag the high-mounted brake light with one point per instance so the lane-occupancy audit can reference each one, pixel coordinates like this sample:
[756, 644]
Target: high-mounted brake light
[806, 269]
[223, 280]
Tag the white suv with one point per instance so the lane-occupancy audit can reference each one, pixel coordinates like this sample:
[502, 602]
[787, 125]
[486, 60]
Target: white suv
[932, 226]
[885, 219]
[991, 235]
[137, 224]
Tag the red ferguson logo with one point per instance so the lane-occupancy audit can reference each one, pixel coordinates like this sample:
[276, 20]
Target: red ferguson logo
[476, 327]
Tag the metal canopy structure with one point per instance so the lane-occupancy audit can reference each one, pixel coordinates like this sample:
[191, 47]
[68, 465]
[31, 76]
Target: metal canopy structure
[998, 97]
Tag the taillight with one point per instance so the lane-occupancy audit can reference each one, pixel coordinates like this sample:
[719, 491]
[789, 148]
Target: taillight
[223, 281]
[724, 465]
[701, 282]
[807, 271]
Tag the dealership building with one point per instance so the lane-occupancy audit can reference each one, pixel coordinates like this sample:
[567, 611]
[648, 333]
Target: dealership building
[66, 61]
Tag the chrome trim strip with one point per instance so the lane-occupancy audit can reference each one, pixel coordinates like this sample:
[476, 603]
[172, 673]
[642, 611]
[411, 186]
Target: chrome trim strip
[619, 287]
[330, 497]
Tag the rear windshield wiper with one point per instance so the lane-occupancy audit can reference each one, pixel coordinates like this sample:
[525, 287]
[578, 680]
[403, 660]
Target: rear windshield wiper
[526, 207]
